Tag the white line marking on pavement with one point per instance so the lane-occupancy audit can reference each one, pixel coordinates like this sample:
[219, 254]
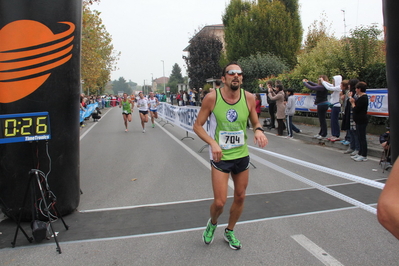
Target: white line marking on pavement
[316, 251]
[94, 124]
[327, 170]
[199, 158]
[189, 229]
[316, 185]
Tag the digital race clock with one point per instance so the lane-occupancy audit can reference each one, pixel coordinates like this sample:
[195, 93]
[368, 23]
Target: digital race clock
[24, 127]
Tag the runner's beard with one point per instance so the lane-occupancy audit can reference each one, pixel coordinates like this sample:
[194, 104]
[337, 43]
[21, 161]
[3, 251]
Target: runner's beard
[235, 87]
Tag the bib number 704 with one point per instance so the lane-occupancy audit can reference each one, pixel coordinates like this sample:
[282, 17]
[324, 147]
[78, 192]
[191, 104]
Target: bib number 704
[232, 139]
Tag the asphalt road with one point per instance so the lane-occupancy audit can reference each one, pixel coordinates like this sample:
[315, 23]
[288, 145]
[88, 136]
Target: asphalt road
[146, 200]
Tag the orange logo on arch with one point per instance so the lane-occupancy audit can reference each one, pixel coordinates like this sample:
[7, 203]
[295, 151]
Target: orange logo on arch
[28, 52]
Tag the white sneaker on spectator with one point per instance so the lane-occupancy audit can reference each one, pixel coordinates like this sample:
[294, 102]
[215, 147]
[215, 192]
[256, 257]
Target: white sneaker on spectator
[355, 152]
[355, 156]
[316, 136]
[360, 159]
[349, 150]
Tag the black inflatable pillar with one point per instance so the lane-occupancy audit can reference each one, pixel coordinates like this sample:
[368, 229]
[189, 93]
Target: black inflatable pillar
[391, 29]
[40, 72]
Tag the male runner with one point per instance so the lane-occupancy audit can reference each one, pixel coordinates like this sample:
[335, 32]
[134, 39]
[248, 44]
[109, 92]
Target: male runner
[127, 109]
[228, 109]
[153, 104]
[142, 104]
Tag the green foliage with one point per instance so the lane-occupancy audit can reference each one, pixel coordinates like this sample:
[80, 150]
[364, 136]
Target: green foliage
[361, 49]
[361, 56]
[374, 75]
[259, 66]
[203, 61]
[324, 59]
[98, 57]
[317, 31]
[121, 85]
[175, 78]
[262, 27]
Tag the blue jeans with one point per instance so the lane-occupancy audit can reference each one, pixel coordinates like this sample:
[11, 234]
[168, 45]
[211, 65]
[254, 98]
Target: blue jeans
[290, 126]
[335, 129]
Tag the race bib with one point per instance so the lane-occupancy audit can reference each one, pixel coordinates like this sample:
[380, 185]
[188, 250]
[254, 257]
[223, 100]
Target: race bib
[231, 139]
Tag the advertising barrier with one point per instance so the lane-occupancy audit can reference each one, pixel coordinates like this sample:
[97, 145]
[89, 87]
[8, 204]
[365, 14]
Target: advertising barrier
[185, 116]
[304, 102]
[89, 109]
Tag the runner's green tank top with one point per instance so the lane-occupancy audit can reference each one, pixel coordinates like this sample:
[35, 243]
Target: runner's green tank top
[228, 123]
[126, 107]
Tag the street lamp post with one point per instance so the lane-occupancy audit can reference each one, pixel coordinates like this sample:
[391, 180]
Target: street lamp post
[152, 82]
[163, 70]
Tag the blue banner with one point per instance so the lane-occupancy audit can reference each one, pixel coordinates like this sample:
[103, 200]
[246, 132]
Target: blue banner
[89, 109]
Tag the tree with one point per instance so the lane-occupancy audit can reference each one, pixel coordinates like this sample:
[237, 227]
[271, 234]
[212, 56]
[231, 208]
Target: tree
[263, 27]
[317, 31]
[120, 85]
[175, 78]
[260, 66]
[362, 48]
[324, 59]
[203, 60]
[98, 55]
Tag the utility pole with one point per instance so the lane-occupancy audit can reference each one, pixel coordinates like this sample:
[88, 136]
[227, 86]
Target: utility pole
[343, 11]
[163, 70]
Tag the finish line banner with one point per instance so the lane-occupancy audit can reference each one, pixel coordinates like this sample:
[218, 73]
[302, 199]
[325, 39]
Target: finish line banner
[182, 116]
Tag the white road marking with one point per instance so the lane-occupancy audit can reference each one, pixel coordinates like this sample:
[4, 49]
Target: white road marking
[315, 185]
[327, 170]
[316, 251]
[94, 124]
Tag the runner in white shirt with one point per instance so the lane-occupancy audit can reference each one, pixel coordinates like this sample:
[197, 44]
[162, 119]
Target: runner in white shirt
[142, 105]
[153, 104]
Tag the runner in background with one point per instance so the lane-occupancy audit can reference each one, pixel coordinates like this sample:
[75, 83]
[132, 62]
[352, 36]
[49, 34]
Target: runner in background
[142, 105]
[153, 104]
[127, 110]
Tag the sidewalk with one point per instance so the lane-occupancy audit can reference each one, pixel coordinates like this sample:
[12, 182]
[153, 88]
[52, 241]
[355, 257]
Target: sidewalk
[308, 131]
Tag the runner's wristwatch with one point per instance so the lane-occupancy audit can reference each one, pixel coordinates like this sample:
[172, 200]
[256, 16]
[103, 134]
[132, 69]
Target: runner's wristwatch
[259, 128]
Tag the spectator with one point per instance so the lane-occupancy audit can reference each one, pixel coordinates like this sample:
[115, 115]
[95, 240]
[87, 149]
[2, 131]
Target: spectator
[344, 99]
[348, 120]
[179, 98]
[321, 102]
[289, 113]
[335, 105]
[185, 98]
[385, 143]
[96, 114]
[258, 104]
[272, 105]
[279, 97]
[360, 106]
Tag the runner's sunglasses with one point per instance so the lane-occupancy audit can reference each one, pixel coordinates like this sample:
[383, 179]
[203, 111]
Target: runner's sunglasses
[232, 72]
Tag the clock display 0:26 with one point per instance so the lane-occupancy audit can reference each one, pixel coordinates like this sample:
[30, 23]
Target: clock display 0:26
[24, 127]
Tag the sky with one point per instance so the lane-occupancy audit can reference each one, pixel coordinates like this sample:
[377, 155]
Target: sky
[152, 34]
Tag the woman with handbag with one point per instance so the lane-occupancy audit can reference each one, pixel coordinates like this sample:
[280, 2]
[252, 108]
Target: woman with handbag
[279, 97]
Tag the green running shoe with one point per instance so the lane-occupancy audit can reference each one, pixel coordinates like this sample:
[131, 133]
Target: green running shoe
[230, 238]
[208, 234]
